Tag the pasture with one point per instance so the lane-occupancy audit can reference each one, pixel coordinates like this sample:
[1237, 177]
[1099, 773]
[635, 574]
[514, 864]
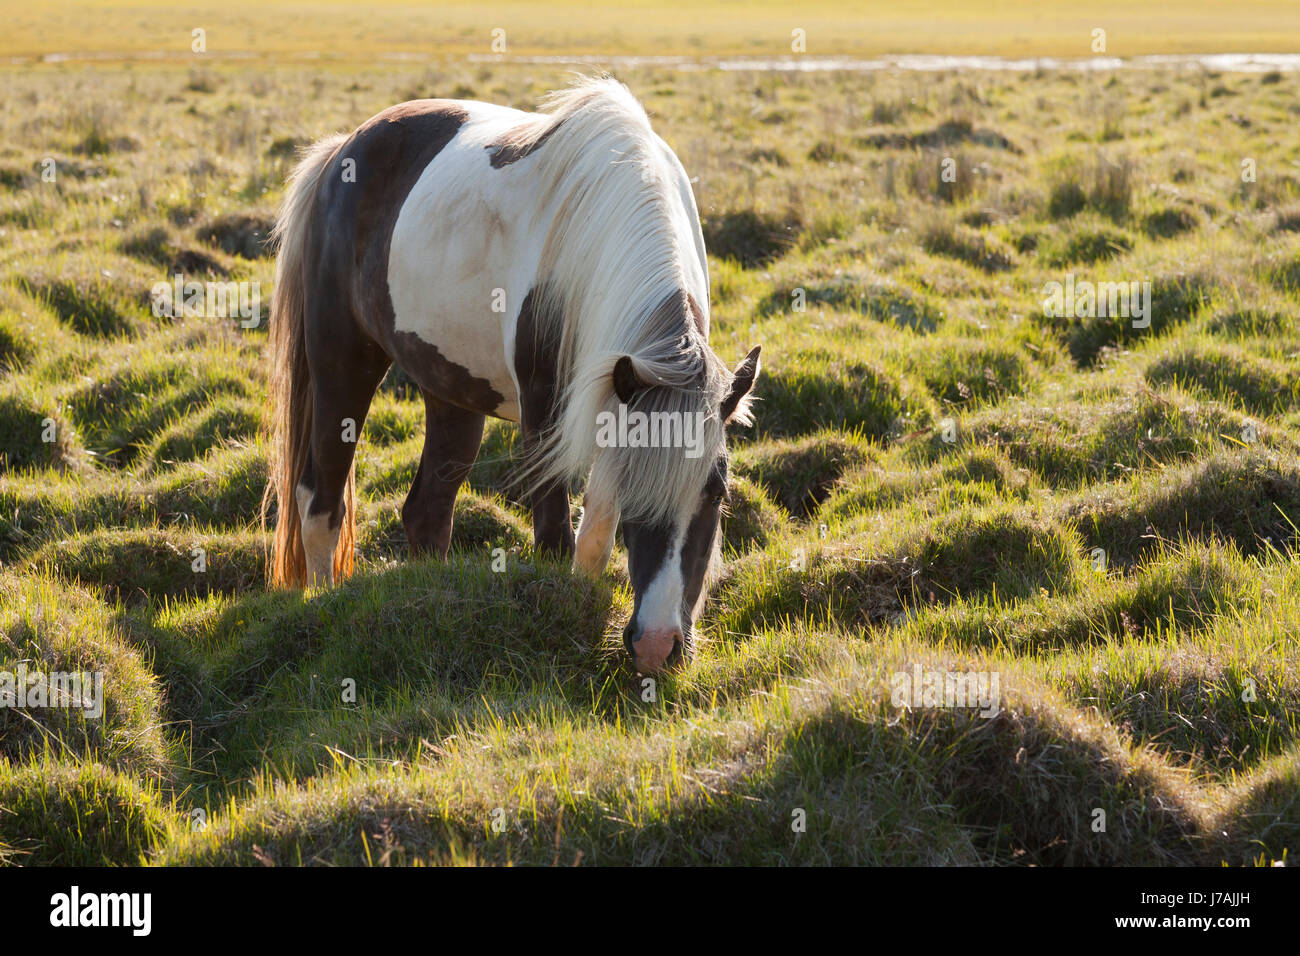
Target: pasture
[1100, 514]
[341, 30]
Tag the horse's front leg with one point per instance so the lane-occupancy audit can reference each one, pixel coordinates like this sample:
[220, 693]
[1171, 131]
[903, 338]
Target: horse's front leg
[538, 395]
[552, 527]
[595, 535]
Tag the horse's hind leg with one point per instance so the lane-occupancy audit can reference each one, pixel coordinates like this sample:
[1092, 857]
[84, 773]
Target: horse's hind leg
[451, 441]
[346, 368]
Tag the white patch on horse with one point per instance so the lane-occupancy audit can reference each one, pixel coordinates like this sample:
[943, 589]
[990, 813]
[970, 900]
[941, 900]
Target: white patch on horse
[318, 541]
[661, 604]
[465, 251]
[595, 541]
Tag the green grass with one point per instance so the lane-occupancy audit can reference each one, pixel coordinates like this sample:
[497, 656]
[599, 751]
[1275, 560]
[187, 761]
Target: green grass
[940, 475]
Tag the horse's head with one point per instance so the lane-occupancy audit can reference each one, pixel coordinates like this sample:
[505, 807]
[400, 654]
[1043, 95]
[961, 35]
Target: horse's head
[670, 551]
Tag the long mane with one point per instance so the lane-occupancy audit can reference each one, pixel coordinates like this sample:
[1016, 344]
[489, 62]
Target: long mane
[613, 283]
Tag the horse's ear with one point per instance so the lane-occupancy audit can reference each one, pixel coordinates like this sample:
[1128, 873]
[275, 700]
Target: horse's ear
[626, 381]
[734, 406]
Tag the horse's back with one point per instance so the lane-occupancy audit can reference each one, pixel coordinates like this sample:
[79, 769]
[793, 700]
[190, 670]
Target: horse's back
[412, 243]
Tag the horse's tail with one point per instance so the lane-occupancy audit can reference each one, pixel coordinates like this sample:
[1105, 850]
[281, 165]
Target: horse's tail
[289, 422]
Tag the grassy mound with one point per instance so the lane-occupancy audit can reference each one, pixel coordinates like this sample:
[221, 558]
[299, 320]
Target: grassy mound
[751, 238]
[146, 564]
[868, 578]
[777, 785]
[1247, 497]
[223, 420]
[268, 677]
[1259, 819]
[1101, 436]
[35, 433]
[799, 474]
[960, 371]
[1084, 243]
[223, 490]
[29, 330]
[111, 715]
[64, 814]
[480, 524]
[805, 391]
[960, 242]
[239, 234]
[1249, 322]
[103, 297]
[1184, 589]
[1176, 298]
[1230, 375]
[750, 519]
[162, 246]
[132, 400]
[868, 294]
[975, 475]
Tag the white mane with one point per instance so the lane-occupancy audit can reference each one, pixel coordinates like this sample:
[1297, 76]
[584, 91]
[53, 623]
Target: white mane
[615, 284]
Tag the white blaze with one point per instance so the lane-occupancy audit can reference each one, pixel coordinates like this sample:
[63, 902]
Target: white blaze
[661, 604]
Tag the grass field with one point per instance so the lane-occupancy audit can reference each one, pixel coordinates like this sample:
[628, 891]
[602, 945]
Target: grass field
[941, 475]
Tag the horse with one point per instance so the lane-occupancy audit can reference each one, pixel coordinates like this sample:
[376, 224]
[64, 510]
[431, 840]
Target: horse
[544, 268]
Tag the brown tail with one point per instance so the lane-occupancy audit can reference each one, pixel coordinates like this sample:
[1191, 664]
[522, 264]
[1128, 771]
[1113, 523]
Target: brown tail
[289, 424]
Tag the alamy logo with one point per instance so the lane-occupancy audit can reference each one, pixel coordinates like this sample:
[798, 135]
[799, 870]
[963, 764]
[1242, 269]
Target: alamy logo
[27, 690]
[919, 688]
[637, 429]
[75, 908]
[1089, 300]
[208, 300]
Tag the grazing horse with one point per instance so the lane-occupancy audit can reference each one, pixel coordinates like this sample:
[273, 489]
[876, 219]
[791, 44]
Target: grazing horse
[544, 268]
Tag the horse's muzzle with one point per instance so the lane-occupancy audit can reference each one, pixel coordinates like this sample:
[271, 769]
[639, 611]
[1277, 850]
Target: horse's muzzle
[654, 650]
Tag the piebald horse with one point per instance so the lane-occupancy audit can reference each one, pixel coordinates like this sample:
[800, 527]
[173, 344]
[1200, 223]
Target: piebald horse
[544, 268]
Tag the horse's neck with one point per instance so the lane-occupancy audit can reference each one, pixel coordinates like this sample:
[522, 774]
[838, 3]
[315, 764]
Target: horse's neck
[616, 255]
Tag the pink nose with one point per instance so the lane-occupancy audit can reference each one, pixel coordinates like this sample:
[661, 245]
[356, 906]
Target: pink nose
[652, 649]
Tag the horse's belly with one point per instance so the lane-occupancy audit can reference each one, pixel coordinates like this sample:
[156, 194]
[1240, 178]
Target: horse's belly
[452, 293]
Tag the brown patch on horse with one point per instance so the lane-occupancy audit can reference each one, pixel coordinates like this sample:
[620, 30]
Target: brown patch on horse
[390, 151]
[698, 316]
[535, 360]
[520, 142]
